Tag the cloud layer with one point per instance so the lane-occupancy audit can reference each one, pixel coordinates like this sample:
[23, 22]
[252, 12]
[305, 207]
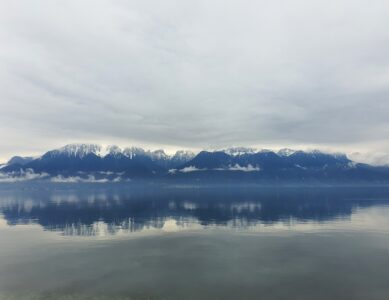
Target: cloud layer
[27, 175]
[236, 167]
[78, 179]
[194, 74]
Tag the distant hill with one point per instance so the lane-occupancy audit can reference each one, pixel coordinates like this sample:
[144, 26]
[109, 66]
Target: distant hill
[93, 162]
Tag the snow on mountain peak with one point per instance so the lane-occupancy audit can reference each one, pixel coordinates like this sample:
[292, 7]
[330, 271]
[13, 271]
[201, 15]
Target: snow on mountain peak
[79, 150]
[113, 150]
[183, 155]
[235, 151]
[158, 155]
[286, 152]
[131, 152]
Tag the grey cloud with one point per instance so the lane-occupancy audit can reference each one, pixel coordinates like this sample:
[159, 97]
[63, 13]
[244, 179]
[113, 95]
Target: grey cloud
[194, 74]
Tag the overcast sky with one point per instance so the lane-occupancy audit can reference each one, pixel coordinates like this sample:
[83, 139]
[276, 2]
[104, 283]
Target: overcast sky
[195, 74]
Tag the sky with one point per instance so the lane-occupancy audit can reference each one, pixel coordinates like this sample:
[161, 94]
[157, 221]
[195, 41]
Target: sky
[195, 75]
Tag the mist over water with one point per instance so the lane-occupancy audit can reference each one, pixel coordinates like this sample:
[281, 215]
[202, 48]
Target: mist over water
[117, 241]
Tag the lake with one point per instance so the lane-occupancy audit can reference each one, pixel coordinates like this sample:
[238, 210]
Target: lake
[149, 241]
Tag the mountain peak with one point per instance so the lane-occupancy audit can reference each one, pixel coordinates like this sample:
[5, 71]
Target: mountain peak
[286, 152]
[184, 153]
[113, 150]
[131, 152]
[20, 160]
[235, 162]
[158, 155]
[235, 151]
[79, 150]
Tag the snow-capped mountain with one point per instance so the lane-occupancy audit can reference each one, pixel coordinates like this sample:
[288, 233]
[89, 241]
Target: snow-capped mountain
[158, 155]
[112, 150]
[77, 150]
[182, 156]
[285, 152]
[75, 158]
[238, 163]
[83, 150]
[132, 152]
[235, 151]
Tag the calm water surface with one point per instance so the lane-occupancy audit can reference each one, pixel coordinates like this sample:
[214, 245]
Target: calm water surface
[105, 241]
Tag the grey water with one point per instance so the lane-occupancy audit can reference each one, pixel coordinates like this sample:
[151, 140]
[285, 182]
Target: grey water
[147, 241]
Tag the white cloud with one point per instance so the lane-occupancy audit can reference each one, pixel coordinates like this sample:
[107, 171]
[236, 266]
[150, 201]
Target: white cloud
[375, 159]
[236, 167]
[248, 168]
[26, 175]
[78, 179]
[190, 169]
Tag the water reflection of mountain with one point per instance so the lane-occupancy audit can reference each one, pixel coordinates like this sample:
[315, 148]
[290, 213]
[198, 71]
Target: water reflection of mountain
[88, 211]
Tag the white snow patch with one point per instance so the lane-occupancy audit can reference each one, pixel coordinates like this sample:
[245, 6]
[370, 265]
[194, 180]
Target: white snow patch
[131, 152]
[236, 151]
[183, 155]
[286, 152]
[158, 155]
[79, 150]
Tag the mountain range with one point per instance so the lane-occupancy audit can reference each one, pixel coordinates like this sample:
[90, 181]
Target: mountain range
[90, 163]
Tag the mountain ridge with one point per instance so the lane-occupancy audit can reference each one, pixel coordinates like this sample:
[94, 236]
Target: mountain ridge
[92, 161]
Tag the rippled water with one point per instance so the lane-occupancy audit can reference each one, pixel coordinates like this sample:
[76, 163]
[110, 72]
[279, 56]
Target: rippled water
[115, 241]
